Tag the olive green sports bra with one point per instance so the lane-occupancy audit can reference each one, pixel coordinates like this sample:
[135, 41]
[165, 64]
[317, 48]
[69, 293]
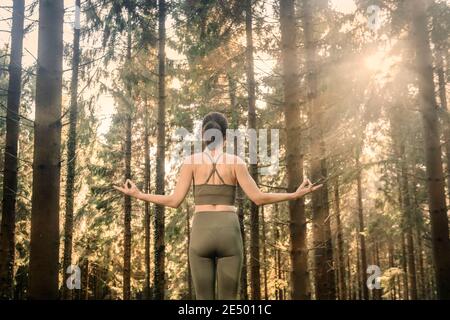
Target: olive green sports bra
[224, 194]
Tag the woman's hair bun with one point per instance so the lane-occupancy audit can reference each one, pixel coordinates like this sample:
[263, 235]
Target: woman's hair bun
[217, 121]
[211, 124]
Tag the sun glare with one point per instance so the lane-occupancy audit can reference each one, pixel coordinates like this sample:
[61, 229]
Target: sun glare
[381, 65]
[175, 84]
[374, 61]
[344, 6]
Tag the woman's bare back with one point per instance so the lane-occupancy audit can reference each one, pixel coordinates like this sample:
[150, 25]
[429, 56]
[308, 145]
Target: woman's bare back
[204, 173]
[225, 168]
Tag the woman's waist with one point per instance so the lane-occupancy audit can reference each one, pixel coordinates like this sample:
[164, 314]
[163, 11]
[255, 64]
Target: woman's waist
[215, 219]
[199, 208]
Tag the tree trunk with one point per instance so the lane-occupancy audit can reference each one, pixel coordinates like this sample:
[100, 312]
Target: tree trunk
[255, 276]
[405, 268]
[127, 199]
[421, 267]
[358, 286]
[398, 138]
[264, 251]
[71, 156]
[445, 112]
[244, 278]
[85, 280]
[362, 237]
[391, 265]
[378, 293]
[239, 194]
[407, 216]
[433, 161]
[421, 276]
[323, 257]
[411, 264]
[349, 277]
[7, 238]
[340, 245]
[402, 240]
[278, 271]
[147, 289]
[44, 246]
[188, 232]
[159, 273]
[294, 158]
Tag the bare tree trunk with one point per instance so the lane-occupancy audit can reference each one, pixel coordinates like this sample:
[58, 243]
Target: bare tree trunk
[403, 247]
[445, 112]
[264, 250]
[7, 237]
[159, 274]
[378, 293]
[407, 212]
[340, 244]
[85, 280]
[391, 265]
[239, 194]
[349, 277]
[127, 199]
[411, 265]
[421, 267]
[405, 199]
[44, 251]
[323, 257]
[147, 289]
[362, 237]
[255, 276]
[399, 287]
[71, 156]
[188, 232]
[421, 276]
[405, 268]
[278, 271]
[432, 285]
[336, 274]
[358, 271]
[433, 161]
[294, 159]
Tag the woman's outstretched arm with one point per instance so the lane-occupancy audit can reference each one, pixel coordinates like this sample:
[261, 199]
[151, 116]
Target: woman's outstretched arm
[172, 200]
[252, 191]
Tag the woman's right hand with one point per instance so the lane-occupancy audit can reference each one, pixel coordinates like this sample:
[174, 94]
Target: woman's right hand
[129, 188]
[306, 187]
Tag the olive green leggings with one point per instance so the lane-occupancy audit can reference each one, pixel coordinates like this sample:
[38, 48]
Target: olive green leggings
[215, 248]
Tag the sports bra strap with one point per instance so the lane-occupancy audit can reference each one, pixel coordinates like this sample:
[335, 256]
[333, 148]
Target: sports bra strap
[214, 168]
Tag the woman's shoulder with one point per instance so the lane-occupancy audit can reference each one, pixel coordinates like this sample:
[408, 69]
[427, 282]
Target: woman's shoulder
[195, 158]
[190, 159]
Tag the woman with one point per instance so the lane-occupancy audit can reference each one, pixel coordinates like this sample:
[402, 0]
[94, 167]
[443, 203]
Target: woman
[215, 247]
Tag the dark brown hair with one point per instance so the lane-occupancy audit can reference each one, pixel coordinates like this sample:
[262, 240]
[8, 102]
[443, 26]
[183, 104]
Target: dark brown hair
[217, 121]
